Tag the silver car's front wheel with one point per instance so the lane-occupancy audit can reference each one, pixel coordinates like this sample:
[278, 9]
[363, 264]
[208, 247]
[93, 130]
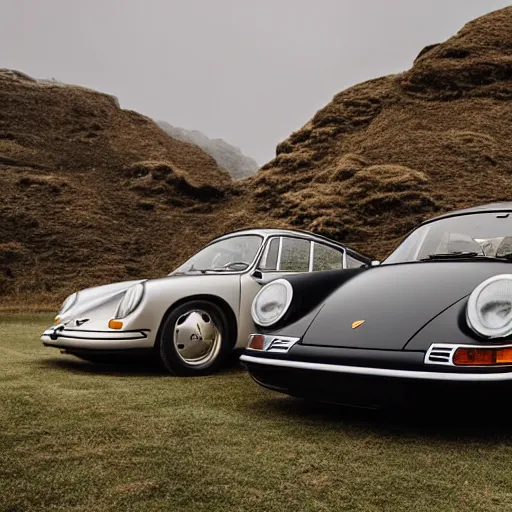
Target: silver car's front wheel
[197, 339]
[194, 339]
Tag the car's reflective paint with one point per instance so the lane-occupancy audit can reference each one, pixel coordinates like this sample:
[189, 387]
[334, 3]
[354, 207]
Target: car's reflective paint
[396, 302]
[85, 326]
[410, 309]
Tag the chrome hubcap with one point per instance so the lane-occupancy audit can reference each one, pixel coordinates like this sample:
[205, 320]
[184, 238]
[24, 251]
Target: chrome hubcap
[197, 339]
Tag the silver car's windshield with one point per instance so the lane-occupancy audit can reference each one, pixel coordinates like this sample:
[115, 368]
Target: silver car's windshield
[232, 254]
[481, 235]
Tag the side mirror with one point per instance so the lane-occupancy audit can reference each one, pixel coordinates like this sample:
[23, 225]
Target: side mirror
[375, 263]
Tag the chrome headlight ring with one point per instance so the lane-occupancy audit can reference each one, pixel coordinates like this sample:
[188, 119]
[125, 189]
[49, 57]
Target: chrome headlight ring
[68, 303]
[272, 302]
[489, 308]
[130, 301]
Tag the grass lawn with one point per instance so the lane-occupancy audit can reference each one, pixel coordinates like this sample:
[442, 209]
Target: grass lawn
[78, 436]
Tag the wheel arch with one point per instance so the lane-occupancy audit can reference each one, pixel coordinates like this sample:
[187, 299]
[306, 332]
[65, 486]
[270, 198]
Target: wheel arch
[215, 299]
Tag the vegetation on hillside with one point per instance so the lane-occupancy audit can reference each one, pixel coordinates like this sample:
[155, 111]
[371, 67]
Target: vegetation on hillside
[92, 193]
[386, 154]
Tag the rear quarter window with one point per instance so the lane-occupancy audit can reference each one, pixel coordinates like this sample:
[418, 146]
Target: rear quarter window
[295, 255]
[327, 258]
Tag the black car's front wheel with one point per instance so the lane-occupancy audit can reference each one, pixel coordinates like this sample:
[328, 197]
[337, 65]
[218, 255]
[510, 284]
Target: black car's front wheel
[194, 339]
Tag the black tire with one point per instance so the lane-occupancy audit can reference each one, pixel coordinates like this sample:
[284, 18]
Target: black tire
[167, 348]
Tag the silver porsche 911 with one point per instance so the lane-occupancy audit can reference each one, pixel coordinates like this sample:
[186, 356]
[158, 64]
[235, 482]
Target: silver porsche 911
[198, 315]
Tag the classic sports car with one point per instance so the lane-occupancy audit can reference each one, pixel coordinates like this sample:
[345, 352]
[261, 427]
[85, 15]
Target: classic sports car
[434, 318]
[199, 314]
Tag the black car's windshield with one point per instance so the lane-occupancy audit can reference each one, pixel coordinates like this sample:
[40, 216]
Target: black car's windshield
[479, 235]
[232, 254]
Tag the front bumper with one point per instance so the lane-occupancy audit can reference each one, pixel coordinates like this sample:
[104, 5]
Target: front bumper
[379, 372]
[372, 378]
[83, 340]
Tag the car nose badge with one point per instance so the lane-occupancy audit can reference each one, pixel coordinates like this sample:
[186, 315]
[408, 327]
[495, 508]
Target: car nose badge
[357, 323]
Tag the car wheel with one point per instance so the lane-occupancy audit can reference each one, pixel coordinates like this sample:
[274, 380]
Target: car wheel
[194, 339]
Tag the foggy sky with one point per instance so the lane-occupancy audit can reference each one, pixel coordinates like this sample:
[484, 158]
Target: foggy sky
[247, 71]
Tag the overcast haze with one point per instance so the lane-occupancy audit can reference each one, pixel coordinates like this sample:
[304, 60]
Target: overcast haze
[249, 72]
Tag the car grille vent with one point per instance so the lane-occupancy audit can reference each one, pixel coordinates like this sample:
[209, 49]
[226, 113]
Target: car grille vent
[440, 354]
[282, 344]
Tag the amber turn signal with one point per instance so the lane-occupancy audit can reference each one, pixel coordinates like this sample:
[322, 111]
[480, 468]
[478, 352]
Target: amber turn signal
[256, 342]
[115, 324]
[482, 356]
[57, 319]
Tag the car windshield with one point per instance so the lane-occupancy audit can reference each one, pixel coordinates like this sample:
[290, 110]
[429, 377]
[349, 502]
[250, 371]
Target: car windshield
[232, 254]
[480, 235]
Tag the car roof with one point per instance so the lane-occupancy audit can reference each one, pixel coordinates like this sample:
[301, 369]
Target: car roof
[484, 208]
[266, 232]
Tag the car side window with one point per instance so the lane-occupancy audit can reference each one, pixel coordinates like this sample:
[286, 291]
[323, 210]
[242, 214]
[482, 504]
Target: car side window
[295, 254]
[327, 258]
[354, 263]
[268, 260]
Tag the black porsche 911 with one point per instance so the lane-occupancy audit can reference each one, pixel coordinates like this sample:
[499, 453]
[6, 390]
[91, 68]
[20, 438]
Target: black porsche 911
[432, 322]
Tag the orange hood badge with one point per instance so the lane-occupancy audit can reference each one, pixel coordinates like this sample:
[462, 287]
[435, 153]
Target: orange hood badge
[357, 323]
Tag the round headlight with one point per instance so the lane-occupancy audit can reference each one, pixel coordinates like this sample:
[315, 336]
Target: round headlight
[272, 302]
[489, 310]
[130, 301]
[68, 303]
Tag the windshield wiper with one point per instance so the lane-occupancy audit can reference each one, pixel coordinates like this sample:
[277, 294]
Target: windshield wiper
[465, 256]
[201, 271]
[219, 270]
[450, 256]
[204, 270]
[189, 271]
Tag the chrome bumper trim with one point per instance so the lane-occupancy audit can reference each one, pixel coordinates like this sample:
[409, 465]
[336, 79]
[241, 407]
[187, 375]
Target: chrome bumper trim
[380, 372]
[442, 354]
[281, 344]
[96, 340]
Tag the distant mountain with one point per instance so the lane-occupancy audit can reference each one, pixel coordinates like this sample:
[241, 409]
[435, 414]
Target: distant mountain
[227, 156]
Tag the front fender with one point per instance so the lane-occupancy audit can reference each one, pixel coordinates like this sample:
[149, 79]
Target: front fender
[162, 294]
[449, 327]
[310, 291]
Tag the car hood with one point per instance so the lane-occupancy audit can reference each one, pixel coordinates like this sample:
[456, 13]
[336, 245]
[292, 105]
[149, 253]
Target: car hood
[395, 302]
[105, 298]
[92, 298]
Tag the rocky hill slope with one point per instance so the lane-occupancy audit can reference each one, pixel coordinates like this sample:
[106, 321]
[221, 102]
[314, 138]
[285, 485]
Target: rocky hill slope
[93, 193]
[227, 156]
[386, 154]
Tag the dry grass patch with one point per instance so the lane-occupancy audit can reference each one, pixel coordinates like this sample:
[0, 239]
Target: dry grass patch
[66, 153]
